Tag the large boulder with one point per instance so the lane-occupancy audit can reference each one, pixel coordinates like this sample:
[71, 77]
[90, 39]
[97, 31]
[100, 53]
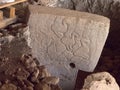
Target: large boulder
[66, 40]
[100, 81]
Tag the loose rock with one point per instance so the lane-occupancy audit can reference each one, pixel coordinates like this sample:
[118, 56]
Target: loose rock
[100, 81]
[51, 80]
[8, 87]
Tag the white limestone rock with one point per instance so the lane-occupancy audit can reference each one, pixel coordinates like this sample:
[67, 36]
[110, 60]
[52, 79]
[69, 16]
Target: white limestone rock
[56, 3]
[6, 1]
[66, 41]
[100, 81]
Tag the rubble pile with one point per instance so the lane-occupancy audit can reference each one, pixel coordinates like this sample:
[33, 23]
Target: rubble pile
[25, 74]
[18, 69]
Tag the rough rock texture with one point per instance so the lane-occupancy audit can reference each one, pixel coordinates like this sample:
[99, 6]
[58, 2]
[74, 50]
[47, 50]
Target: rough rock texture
[109, 62]
[25, 74]
[14, 41]
[108, 8]
[6, 1]
[66, 41]
[100, 81]
[18, 69]
[57, 3]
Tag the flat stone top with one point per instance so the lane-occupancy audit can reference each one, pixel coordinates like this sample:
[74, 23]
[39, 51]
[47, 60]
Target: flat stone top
[69, 13]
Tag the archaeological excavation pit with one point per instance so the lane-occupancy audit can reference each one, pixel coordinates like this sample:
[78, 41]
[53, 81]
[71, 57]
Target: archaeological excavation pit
[59, 44]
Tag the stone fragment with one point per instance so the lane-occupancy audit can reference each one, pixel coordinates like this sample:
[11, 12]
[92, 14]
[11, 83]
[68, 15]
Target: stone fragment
[42, 86]
[28, 83]
[66, 40]
[55, 87]
[35, 75]
[8, 87]
[16, 26]
[57, 3]
[51, 80]
[100, 81]
[6, 1]
[43, 72]
[13, 46]
[22, 74]
[27, 88]
[1, 34]
[28, 61]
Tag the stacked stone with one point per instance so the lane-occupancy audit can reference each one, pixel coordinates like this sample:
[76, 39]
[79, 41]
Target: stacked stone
[25, 74]
[18, 69]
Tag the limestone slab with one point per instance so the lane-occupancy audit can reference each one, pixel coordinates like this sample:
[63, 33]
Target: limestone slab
[66, 40]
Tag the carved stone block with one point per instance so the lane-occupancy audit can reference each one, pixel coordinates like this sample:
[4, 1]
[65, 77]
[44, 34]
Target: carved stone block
[66, 40]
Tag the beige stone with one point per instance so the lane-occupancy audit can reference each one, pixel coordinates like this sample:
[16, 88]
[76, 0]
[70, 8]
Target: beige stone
[51, 80]
[66, 41]
[8, 87]
[100, 81]
[57, 3]
[43, 72]
[42, 86]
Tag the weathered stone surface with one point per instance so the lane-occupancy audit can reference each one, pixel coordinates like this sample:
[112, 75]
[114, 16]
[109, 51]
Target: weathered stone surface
[57, 3]
[6, 1]
[108, 8]
[14, 43]
[8, 86]
[51, 80]
[42, 86]
[66, 41]
[18, 74]
[100, 81]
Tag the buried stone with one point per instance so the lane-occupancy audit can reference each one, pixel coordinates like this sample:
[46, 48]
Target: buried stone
[66, 41]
